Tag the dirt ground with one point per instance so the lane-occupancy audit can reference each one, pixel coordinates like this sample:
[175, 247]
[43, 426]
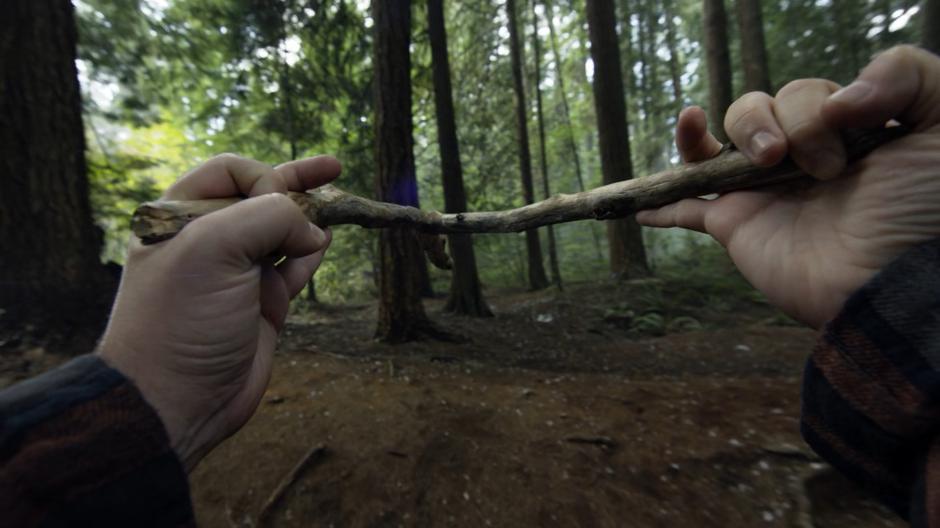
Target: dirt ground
[560, 411]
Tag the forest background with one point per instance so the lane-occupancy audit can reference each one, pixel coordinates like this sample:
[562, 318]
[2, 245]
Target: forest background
[166, 84]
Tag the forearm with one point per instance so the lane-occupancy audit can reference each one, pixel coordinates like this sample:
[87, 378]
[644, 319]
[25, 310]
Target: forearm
[79, 445]
[871, 387]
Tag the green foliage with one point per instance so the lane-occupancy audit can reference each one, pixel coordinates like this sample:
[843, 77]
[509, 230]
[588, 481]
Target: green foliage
[169, 83]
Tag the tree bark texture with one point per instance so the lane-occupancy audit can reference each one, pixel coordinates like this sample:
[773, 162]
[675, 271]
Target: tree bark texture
[401, 313]
[753, 46]
[627, 254]
[466, 296]
[554, 267]
[537, 278]
[50, 273]
[930, 26]
[718, 62]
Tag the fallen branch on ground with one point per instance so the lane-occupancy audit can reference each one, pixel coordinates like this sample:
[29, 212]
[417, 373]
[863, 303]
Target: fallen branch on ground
[312, 456]
[329, 206]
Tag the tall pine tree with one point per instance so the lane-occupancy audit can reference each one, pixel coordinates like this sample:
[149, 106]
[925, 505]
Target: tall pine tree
[537, 278]
[50, 272]
[401, 313]
[627, 254]
[753, 46]
[465, 297]
[718, 62]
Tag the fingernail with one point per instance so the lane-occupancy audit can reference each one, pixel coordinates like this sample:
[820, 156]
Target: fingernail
[828, 164]
[853, 93]
[761, 142]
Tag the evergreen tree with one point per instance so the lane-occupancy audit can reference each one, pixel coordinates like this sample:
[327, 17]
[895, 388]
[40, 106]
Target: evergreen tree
[466, 297]
[401, 313]
[543, 156]
[537, 278]
[50, 273]
[718, 61]
[627, 254]
[930, 27]
[753, 47]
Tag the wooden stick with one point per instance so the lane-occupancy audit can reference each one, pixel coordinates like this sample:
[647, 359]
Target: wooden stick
[328, 205]
[310, 457]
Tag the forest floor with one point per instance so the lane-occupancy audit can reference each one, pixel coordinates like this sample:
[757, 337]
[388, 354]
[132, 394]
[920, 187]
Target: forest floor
[643, 403]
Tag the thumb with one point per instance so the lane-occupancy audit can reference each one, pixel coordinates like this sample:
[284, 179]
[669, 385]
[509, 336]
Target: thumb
[902, 83]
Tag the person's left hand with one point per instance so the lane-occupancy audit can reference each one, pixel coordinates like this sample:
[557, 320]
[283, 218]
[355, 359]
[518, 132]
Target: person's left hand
[197, 317]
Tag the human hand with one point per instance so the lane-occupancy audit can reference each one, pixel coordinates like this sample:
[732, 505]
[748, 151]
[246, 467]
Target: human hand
[808, 249]
[197, 317]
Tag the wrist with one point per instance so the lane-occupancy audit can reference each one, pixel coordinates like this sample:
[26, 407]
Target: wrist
[183, 439]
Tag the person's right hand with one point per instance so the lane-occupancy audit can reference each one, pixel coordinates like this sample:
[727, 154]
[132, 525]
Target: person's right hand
[197, 317]
[809, 249]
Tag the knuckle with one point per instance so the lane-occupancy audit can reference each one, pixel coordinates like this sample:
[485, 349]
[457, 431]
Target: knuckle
[197, 234]
[225, 158]
[801, 85]
[280, 201]
[284, 207]
[903, 58]
[745, 109]
[901, 53]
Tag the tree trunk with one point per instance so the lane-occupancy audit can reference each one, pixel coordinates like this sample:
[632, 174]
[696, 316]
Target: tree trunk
[886, 11]
[626, 39]
[627, 254]
[466, 297]
[51, 277]
[543, 155]
[566, 113]
[644, 81]
[718, 61]
[930, 30]
[675, 68]
[753, 46]
[851, 48]
[424, 277]
[401, 313]
[651, 151]
[537, 279]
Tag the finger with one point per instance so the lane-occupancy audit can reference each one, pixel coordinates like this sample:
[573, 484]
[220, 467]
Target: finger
[689, 214]
[275, 297]
[309, 173]
[296, 272]
[694, 141]
[254, 228]
[902, 83]
[814, 145]
[227, 175]
[753, 128]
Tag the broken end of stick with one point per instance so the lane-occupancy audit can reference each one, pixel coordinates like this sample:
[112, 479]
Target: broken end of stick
[151, 223]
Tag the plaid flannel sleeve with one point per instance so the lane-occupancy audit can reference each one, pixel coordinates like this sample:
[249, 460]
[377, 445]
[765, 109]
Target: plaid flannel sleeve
[79, 446]
[871, 389]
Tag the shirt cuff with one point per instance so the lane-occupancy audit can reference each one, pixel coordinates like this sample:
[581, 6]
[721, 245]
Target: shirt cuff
[79, 445]
[871, 386]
